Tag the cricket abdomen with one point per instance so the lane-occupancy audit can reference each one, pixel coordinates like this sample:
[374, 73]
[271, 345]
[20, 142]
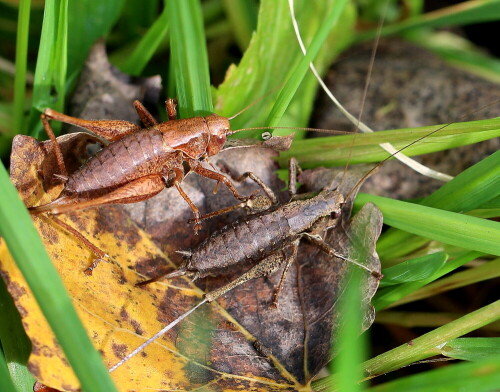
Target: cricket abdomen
[134, 156]
[248, 240]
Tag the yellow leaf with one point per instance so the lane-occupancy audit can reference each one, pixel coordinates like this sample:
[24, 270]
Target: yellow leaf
[118, 315]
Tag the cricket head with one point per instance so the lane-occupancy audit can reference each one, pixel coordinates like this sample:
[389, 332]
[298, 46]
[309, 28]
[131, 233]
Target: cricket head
[218, 128]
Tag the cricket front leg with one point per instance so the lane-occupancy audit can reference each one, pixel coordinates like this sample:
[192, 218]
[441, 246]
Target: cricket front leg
[255, 203]
[179, 175]
[197, 168]
[110, 130]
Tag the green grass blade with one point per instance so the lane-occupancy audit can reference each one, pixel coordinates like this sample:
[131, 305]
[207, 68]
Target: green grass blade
[61, 54]
[81, 24]
[297, 74]
[51, 66]
[473, 11]
[17, 230]
[451, 228]
[6, 383]
[363, 148]
[422, 347]
[426, 345]
[189, 59]
[472, 349]
[457, 50]
[272, 52]
[350, 346]
[43, 81]
[478, 377]
[486, 271]
[21, 66]
[15, 344]
[391, 296]
[134, 63]
[470, 189]
[242, 15]
[89, 20]
[413, 270]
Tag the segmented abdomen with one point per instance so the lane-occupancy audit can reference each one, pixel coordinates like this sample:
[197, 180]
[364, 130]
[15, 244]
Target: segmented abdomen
[250, 239]
[134, 156]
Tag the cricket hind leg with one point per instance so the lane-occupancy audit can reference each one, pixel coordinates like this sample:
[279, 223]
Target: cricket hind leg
[289, 260]
[110, 130]
[135, 191]
[99, 254]
[264, 268]
[138, 190]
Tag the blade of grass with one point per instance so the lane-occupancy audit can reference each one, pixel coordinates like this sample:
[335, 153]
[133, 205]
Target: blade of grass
[242, 15]
[263, 69]
[472, 349]
[21, 66]
[489, 270]
[18, 230]
[470, 189]
[90, 20]
[412, 270]
[477, 376]
[43, 75]
[189, 58]
[51, 66]
[425, 319]
[422, 347]
[473, 11]
[58, 64]
[61, 54]
[391, 296]
[350, 346]
[6, 383]
[134, 63]
[50, 74]
[363, 148]
[297, 74]
[451, 228]
[15, 344]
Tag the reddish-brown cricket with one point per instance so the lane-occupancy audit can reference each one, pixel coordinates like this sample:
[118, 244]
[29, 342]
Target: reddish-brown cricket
[139, 162]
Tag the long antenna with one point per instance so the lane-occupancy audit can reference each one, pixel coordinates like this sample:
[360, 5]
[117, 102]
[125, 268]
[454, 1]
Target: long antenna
[156, 336]
[255, 102]
[362, 126]
[319, 130]
[366, 87]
